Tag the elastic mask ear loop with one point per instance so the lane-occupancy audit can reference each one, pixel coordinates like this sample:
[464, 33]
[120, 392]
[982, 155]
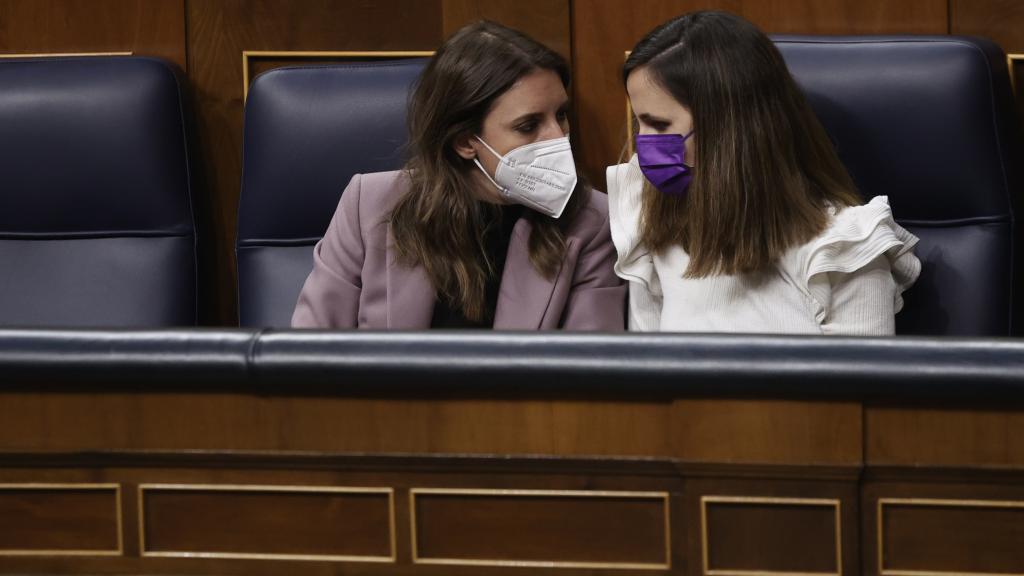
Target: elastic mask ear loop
[482, 169]
[685, 138]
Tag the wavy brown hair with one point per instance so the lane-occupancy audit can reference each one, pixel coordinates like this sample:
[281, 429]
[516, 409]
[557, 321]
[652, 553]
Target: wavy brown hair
[439, 223]
[765, 170]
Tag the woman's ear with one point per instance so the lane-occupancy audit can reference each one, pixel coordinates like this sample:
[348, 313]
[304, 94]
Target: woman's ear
[465, 146]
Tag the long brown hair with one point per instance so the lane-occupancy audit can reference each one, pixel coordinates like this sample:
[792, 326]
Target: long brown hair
[439, 223]
[765, 172]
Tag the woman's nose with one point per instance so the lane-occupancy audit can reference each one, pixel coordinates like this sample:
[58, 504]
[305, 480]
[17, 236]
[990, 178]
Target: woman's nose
[553, 130]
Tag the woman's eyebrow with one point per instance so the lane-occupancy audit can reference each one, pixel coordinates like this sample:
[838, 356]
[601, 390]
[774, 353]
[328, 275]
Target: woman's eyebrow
[653, 119]
[527, 117]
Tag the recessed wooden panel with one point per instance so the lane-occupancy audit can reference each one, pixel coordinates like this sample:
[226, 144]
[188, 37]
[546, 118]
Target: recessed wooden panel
[541, 528]
[60, 519]
[748, 535]
[932, 536]
[269, 522]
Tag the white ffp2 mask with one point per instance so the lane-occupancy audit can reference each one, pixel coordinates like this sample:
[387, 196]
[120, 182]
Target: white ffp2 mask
[541, 175]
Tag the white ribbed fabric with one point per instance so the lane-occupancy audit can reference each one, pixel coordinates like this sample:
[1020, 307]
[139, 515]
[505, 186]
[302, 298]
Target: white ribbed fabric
[848, 280]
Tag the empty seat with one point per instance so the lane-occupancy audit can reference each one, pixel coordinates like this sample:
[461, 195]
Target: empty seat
[96, 225]
[308, 130]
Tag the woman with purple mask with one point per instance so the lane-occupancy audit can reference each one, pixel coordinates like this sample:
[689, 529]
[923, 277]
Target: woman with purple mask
[736, 215]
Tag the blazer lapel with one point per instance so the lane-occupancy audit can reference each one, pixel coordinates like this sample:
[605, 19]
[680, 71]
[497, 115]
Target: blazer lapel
[525, 294]
[410, 296]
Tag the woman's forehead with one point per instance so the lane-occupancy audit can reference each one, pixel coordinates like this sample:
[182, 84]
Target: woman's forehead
[537, 91]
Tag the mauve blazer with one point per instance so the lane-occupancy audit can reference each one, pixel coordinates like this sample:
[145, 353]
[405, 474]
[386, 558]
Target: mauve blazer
[357, 283]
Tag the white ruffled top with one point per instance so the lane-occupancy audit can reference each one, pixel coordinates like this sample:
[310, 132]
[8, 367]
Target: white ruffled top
[848, 280]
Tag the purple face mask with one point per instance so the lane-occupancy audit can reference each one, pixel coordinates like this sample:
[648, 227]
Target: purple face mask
[662, 160]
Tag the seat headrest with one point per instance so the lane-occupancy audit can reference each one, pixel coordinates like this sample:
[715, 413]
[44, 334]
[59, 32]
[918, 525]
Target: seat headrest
[308, 130]
[918, 119]
[92, 145]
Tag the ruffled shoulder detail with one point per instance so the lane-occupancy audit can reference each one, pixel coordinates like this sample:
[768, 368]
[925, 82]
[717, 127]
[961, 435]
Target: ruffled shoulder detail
[855, 237]
[634, 263]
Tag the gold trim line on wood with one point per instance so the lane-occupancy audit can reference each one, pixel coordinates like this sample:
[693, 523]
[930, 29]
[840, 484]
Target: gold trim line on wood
[280, 488]
[65, 55]
[1011, 59]
[503, 492]
[937, 503]
[72, 487]
[296, 54]
[541, 564]
[774, 501]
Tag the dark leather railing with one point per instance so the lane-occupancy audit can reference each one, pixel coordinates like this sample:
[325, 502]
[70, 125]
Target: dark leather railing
[521, 363]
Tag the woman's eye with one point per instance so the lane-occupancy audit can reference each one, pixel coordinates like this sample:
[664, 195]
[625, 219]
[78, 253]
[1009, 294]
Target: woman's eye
[527, 128]
[563, 115]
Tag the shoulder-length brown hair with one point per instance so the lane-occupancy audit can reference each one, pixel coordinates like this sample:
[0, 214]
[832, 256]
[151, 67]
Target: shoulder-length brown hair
[765, 170]
[439, 223]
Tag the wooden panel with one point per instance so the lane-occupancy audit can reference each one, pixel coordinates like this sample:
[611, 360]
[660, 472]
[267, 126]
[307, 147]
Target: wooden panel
[755, 534]
[546, 21]
[227, 421]
[307, 469]
[268, 522]
[603, 31]
[521, 528]
[919, 536]
[768, 431]
[219, 30]
[943, 437]
[1000, 20]
[145, 27]
[60, 519]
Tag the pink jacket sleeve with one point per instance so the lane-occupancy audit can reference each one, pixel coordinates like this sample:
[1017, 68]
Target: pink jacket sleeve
[597, 298]
[330, 296]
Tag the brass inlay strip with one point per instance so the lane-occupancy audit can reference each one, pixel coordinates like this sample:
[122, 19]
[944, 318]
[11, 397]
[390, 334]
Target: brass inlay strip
[773, 501]
[937, 503]
[511, 493]
[267, 488]
[65, 54]
[72, 487]
[299, 54]
[1011, 60]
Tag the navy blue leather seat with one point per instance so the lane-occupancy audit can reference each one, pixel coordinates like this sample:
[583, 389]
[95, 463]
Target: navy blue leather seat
[928, 122]
[308, 130]
[96, 225]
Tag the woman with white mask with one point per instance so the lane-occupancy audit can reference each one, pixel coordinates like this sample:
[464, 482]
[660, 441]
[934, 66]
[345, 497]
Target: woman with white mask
[488, 224]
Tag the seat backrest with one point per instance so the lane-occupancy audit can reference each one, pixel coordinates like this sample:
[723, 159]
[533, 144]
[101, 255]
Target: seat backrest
[96, 224]
[928, 122]
[308, 130]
